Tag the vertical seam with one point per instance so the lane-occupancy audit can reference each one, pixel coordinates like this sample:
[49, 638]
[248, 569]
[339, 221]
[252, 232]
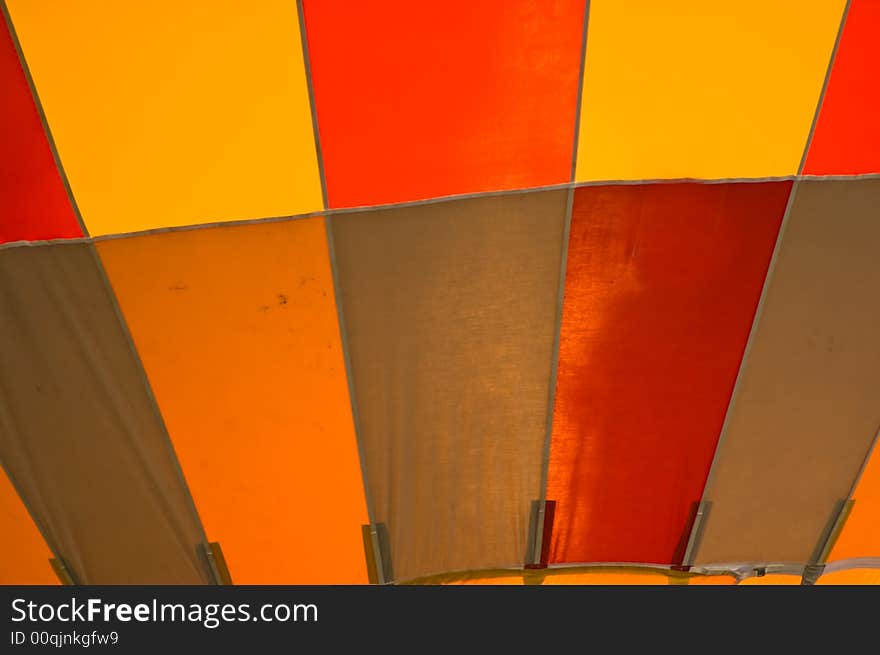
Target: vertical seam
[824, 89]
[307, 61]
[352, 396]
[560, 297]
[151, 398]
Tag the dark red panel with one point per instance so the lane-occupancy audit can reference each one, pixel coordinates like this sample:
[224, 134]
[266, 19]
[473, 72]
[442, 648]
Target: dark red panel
[33, 201]
[847, 136]
[423, 99]
[661, 289]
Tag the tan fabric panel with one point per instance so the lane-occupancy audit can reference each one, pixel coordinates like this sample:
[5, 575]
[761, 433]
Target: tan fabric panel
[450, 315]
[808, 405]
[78, 431]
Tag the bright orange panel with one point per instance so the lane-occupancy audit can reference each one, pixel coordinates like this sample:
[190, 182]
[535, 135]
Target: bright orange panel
[632, 576]
[24, 556]
[579, 576]
[611, 577]
[851, 576]
[712, 580]
[237, 329]
[507, 579]
[773, 579]
[860, 536]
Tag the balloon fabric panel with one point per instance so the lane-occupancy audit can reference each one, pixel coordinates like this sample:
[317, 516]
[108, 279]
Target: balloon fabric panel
[33, 201]
[238, 332]
[24, 557]
[450, 314]
[851, 577]
[772, 579]
[847, 136]
[202, 117]
[660, 291]
[806, 412]
[423, 99]
[166, 116]
[79, 432]
[860, 535]
[683, 89]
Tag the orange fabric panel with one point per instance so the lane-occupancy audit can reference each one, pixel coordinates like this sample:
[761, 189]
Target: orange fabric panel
[500, 581]
[851, 576]
[494, 578]
[860, 536]
[610, 575]
[712, 580]
[773, 579]
[633, 576]
[237, 329]
[24, 556]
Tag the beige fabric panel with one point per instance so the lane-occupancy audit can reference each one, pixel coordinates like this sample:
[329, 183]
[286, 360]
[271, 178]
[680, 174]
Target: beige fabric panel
[78, 431]
[808, 405]
[450, 317]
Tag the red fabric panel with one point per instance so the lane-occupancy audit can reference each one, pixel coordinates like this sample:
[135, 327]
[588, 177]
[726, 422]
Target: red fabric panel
[661, 289]
[33, 201]
[423, 99]
[847, 136]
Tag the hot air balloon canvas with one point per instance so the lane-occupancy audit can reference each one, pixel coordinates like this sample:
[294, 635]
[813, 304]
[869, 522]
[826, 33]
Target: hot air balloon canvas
[463, 292]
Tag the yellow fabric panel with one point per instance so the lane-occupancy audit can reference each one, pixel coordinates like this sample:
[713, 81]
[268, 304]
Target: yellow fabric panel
[701, 89]
[237, 329]
[167, 113]
[24, 556]
[851, 576]
[860, 536]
